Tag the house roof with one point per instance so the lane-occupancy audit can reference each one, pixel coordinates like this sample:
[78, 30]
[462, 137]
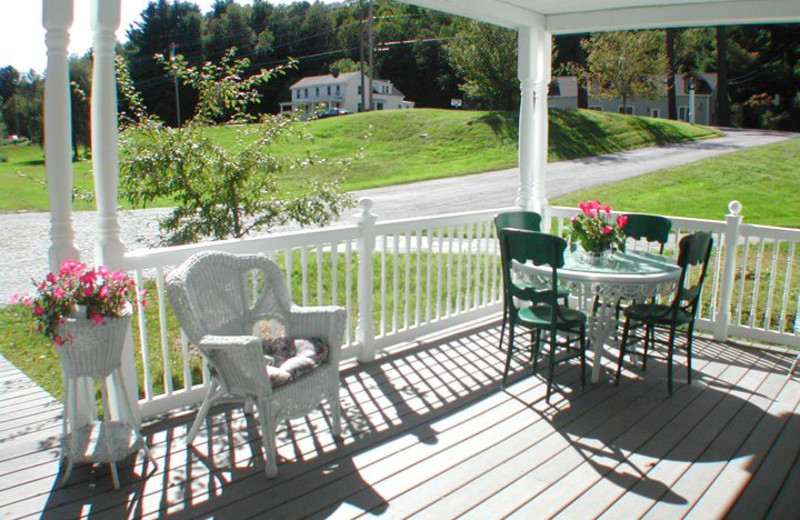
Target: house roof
[325, 79]
[343, 77]
[575, 16]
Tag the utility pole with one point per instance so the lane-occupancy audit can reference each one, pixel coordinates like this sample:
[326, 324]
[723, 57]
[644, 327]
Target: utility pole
[371, 48]
[172, 47]
[361, 54]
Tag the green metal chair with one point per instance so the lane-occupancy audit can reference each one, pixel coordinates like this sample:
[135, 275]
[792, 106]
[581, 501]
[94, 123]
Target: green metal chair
[537, 309]
[524, 220]
[695, 250]
[651, 228]
[643, 227]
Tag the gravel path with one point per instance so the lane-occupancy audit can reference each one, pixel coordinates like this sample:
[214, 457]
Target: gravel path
[25, 237]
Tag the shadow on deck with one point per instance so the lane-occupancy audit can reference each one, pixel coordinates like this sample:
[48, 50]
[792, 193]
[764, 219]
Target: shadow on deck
[429, 433]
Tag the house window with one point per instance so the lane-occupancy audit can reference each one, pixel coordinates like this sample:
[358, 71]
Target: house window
[329, 90]
[683, 113]
[380, 105]
[337, 90]
[654, 112]
[359, 90]
[317, 94]
[359, 107]
[305, 94]
[626, 110]
[596, 107]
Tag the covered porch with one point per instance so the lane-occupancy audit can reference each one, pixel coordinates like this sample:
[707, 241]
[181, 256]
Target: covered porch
[428, 432]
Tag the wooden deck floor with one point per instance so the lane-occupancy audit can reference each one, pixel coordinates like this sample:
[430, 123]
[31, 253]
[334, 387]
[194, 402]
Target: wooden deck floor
[429, 433]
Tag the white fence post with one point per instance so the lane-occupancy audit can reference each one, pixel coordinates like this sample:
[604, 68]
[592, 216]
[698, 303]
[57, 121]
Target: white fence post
[365, 333]
[723, 318]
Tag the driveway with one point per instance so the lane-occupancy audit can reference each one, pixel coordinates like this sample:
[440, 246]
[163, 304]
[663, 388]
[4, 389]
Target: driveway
[25, 236]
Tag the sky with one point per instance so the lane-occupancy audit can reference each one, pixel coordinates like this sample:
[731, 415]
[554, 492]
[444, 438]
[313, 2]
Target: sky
[22, 34]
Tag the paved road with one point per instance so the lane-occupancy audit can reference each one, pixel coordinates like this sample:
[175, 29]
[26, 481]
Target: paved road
[24, 237]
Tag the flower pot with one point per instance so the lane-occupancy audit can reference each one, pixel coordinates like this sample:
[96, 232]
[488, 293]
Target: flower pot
[93, 349]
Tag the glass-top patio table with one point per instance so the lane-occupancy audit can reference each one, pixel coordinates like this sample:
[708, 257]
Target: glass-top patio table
[635, 276]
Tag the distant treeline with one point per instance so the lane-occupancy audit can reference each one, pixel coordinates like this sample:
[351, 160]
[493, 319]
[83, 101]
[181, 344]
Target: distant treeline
[431, 57]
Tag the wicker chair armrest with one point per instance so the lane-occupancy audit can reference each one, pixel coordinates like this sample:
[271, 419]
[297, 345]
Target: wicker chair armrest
[211, 342]
[327, 323]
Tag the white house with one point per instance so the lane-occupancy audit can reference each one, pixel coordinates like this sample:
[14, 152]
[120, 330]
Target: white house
[564, 94]
[343, 91]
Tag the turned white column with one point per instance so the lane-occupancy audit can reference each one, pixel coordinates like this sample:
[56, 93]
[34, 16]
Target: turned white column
[109, 250]
[57, 19]
[105, 17]
[526, 67]
[543, 48]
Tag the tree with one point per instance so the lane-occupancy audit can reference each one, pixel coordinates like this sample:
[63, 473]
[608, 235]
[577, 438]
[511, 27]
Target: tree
[220, 191]
[623, 64]
[80, 74]
[723, 103]
[163, 24]
[486, 56]
[672, 106]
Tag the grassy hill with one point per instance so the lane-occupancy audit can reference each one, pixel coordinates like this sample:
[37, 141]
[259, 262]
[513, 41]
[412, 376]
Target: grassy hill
[404, 146]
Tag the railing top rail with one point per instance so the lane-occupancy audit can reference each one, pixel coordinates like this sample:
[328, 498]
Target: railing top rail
[448, 219]
[778, 233]
[678, 222]
[146, 258]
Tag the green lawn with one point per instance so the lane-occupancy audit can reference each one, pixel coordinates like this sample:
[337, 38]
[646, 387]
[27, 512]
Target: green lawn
[765, 179]
[405, 146]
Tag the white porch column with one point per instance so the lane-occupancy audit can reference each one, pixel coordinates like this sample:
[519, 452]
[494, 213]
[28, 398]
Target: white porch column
[109, 250]
[57, 19]
[526, 67]
[105, 17]
[534, 50]
[544, 50]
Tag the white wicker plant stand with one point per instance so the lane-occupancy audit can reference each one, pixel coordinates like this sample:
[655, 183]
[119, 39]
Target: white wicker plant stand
[95, 351]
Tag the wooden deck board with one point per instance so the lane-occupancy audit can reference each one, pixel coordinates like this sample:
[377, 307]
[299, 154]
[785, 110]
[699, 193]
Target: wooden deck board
[429, 433]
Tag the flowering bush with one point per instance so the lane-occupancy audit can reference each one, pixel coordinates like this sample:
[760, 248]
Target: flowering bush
[102, 292]
[595, 229]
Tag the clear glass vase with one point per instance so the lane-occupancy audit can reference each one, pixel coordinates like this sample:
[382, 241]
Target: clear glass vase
[596, 257]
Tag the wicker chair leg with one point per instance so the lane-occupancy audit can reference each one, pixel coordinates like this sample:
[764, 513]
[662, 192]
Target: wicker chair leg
[268, 440]
[336, 415]
[201, 414]
[114, 475]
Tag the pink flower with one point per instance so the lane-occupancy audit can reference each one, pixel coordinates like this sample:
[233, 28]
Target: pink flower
[103, 271]
[88, 290]
[50, 278]
[103, 292]
[96, 318]
[622, 220]
[59, 293]
[607, 208]
[15, 298]
[118, 276]
[143, 303]
[37, 309]
[607, 229]
[58, 340]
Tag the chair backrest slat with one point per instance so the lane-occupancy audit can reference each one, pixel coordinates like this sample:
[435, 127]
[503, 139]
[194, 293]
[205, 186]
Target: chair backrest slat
[694, 250]
[652, 228]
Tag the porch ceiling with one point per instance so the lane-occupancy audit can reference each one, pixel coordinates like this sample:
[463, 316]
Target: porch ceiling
[574, 16]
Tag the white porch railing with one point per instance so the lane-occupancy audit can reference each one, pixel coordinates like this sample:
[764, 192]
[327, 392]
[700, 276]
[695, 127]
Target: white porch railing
[432, 273]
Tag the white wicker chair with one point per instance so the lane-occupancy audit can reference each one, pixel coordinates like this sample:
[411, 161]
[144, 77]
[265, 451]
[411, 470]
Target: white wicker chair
[213, 297]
